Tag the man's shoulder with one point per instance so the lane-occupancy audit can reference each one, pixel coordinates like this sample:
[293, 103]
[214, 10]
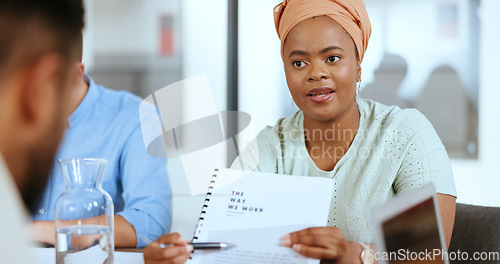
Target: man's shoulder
[120, 108]
[118, 98]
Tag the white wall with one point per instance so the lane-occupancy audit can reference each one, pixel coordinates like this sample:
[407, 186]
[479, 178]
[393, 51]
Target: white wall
[478, 181]
[88, 35]
[204, 44]
[262, 88]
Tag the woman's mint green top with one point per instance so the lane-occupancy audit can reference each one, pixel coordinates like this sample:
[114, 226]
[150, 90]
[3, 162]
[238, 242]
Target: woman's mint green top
[394, 150]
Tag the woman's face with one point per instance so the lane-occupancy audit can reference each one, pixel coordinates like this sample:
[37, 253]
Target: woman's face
[321, 69]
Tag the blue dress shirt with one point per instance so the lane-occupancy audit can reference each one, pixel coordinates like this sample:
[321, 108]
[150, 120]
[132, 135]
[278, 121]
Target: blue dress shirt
[106, 125]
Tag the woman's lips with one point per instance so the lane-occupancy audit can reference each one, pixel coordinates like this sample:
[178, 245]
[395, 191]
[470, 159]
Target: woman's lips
[320, 95]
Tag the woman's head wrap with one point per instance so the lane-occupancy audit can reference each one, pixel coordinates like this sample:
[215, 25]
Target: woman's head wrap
[350, 14]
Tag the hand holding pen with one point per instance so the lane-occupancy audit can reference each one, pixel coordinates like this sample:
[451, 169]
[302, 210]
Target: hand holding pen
[178, 252]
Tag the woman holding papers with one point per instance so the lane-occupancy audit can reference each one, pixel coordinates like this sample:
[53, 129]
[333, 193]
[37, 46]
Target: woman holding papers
[372, 151]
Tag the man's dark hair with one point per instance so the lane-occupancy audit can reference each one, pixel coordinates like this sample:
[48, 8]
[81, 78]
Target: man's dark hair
[31, 28]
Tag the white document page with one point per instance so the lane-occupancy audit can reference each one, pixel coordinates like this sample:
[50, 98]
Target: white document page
[255, 211]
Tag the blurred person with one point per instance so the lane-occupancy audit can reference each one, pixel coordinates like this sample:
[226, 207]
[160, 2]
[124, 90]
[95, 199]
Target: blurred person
[372, 151]
[37, 44]
[104, 123]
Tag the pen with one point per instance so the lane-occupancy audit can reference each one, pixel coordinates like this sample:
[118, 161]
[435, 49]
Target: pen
[196, 245]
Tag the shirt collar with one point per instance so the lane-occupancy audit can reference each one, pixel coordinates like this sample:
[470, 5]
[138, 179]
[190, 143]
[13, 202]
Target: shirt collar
[85, 106]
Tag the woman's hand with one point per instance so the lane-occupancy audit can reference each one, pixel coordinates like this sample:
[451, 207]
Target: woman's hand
[177, 253]
[325, 243]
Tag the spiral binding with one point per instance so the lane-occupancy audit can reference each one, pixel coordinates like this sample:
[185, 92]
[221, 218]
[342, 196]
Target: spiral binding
[205, 206]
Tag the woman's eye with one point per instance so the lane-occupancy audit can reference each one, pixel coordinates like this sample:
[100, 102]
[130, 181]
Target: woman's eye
[299, 64]
[333, 59]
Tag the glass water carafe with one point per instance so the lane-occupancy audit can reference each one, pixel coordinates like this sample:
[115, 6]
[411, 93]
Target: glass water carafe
[84, 214]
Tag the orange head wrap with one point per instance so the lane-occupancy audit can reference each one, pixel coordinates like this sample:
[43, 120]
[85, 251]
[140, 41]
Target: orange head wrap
[350, 14]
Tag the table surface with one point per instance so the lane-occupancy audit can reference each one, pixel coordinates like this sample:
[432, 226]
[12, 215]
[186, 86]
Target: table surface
[122, 256]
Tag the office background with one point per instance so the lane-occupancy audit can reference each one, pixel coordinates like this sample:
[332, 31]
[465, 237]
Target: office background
[439, 56]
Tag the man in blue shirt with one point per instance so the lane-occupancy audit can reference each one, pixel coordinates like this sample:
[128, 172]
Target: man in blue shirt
[106, 124]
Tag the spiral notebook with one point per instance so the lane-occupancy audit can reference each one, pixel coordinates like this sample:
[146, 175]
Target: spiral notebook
[254, 210]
